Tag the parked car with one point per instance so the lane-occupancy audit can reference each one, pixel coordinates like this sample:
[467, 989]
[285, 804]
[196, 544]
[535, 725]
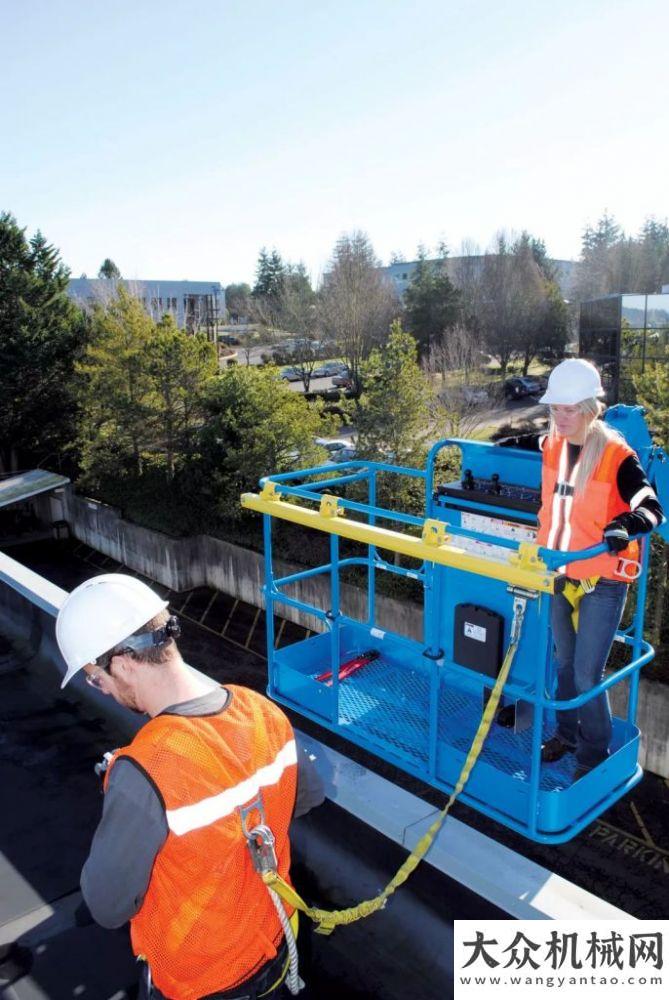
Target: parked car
[229, 339]
[524, 385]
[291, 374]
[329, 369]
[339, 449]
[343, 380]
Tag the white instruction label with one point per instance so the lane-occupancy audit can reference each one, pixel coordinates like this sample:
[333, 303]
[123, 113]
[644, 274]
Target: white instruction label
[492, 526]
[497, 526]
[475, 632]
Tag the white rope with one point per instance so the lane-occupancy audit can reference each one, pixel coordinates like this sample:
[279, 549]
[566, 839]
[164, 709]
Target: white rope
[293, 981]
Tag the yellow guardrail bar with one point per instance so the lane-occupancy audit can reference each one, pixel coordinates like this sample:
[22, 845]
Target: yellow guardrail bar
[524, 568]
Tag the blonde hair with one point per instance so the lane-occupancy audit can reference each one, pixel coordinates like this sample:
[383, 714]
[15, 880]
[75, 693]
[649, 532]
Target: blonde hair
[597, 436]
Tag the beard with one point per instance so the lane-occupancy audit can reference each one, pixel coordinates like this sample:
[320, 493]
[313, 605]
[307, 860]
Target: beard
[125, 696]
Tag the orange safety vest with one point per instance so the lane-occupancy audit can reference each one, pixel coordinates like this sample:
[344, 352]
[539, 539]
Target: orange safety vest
[568, 522]
[207, 922]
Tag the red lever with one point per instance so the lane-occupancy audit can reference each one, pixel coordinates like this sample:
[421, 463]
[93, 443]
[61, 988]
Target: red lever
[350, 667]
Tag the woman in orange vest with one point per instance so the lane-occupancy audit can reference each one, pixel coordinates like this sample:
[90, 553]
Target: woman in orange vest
[211, 763]
[592, 490]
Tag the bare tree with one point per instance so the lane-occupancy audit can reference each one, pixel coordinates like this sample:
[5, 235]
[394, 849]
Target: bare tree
[458, 409]
[358, 304]
[457, 350]
[296, 312]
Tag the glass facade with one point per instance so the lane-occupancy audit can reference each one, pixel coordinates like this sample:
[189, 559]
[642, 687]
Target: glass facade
[623, 334]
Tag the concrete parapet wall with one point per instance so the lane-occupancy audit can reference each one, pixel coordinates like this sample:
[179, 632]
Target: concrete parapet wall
[203, 561]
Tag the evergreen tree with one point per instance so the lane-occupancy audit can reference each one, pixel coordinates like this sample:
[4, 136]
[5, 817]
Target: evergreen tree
[269, 275]
[41, 335]
[263, 274]
[595, 276]
[393, 418]
[254, 425]
[394, 408]
[612, 262]
[654, 256]
[432, 301]
[109, 270]
[268, 288]
[180, 366]
[116, 391]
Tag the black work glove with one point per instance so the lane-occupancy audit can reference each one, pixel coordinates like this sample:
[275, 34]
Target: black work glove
[616, 537]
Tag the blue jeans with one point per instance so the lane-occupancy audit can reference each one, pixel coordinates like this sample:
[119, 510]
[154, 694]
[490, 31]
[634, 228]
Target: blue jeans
[581, 659]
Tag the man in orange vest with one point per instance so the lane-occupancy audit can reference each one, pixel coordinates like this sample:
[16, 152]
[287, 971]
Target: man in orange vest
[171, 853]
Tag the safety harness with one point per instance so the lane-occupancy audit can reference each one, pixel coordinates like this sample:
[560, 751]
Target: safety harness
[574, 591]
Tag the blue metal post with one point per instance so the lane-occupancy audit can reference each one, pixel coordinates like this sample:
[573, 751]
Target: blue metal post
[335, 658]
[431, 621]
[639, 615]
[371, 552]
[269, 600]
[538, 720]
[431, 609]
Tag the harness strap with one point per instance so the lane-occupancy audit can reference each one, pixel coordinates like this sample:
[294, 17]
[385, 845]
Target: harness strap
[574, 591]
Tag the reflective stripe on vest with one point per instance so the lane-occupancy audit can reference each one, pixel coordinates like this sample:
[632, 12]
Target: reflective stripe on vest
[193, 817]
[563, 501]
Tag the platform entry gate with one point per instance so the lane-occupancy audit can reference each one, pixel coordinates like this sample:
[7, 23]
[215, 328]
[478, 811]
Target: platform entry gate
[417, 704]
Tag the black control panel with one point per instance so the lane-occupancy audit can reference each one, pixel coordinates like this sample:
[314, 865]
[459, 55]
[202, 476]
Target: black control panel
[491, 491]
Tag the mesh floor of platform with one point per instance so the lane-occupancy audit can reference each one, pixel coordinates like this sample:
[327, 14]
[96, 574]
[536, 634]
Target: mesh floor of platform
[388, 704]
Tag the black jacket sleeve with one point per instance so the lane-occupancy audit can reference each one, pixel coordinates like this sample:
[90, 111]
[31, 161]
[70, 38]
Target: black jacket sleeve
[527, 442]
[645, 510]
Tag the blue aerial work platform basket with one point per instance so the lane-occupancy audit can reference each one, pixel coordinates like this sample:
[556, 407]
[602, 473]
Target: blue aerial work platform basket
[417, 704]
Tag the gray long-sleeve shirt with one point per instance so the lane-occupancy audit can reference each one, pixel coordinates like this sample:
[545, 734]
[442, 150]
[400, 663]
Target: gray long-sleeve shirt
[133, 827]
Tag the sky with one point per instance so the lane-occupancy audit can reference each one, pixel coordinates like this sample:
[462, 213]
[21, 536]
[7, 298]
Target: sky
[178, 138]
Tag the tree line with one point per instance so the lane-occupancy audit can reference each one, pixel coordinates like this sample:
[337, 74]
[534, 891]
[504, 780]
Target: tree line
[113, 396]
[613, 262]
[139, 414]
[506, 304]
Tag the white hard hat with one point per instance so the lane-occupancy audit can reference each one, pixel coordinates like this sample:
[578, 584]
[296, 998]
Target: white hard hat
[101, 613]
[572, 381]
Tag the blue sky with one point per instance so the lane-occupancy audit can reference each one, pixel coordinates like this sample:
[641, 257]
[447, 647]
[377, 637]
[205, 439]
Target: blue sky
[178, 138]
